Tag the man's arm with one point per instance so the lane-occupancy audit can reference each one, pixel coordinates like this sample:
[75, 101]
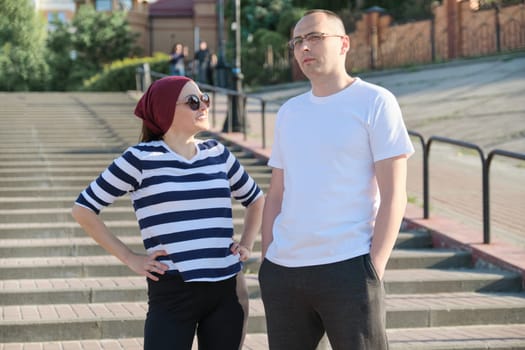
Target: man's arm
[391, 176]
[272, 208]
[252, 226]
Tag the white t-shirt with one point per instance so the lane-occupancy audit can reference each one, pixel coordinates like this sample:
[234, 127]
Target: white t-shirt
[327, 147]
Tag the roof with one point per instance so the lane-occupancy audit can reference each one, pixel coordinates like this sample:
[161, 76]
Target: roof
[171, 8]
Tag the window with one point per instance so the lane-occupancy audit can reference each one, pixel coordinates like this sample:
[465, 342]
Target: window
[103, 5]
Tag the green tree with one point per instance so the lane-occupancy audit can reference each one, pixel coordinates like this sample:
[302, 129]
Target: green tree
[258, 14]
[59, 57]
[81, 49]
[102, 37]
[22, 51]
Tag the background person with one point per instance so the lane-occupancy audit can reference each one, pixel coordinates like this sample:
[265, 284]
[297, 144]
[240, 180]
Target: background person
[177, 58]
[202, 63]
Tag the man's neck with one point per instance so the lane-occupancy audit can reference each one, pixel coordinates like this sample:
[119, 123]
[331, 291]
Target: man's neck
[329, 85]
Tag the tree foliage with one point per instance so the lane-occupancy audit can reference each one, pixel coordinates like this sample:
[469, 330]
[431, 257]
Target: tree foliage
[80, 49]
[22, 51]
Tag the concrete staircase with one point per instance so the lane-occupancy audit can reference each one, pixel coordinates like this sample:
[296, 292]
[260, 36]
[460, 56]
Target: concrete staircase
[59, 290]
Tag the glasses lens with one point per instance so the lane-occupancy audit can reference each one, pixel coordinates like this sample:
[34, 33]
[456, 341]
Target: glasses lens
[313, 37]
[193, 102]
[205, 98]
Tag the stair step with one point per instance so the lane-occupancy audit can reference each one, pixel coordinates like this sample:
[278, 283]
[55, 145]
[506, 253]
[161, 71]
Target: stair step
[428, 258]
[81, 245]
[118, 213]
[47, 190]
[410, 258]
[437, 338]
[412, 281]
[60, 247]
[76, 290]
[72, 229]
[479, 337]
[55, 202]
[81, 181]
[126, 319]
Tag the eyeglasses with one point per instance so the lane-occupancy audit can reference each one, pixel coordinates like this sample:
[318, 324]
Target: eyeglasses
[310, 38]
[194, 101]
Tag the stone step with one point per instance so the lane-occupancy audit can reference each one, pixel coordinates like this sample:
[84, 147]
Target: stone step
[437, 338]
[20, 323]
[118, 213]
[48, 190]
[72, 229]
[106, 265]
[84, 245]
[478, 337]
[58, 202]
[75, 290]
[45, 180]
[412, 259]
[82, 170]
[60, 247]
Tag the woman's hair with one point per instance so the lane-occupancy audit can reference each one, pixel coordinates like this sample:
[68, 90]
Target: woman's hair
[146, 135]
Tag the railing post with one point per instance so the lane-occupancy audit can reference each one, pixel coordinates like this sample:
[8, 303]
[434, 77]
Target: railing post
[263, 122]
[213, 111]
[426, 189]
[146, 77]
[425, 171]
[486, 202]
[484, 178]
[486, 171]
[243, 111]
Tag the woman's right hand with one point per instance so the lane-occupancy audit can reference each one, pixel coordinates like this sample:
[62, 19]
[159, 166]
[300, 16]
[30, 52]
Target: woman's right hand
[146, 264]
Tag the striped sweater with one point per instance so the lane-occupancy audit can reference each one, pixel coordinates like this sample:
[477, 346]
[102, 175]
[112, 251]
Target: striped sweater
[182, 206]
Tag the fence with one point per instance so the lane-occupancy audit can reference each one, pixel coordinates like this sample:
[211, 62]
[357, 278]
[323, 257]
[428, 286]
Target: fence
[455, 30]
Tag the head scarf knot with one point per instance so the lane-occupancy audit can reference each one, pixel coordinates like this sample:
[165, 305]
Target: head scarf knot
[157, 105]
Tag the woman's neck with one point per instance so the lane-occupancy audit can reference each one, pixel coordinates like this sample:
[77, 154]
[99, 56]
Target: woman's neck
[182, 145]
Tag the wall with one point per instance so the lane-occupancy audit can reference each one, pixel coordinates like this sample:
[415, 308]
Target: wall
[455, 31]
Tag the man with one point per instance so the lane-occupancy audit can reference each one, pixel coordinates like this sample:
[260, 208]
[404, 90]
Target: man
[202, 63]
[336, 200]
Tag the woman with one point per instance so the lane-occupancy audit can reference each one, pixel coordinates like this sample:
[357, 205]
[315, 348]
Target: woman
[176, 62]
[181, 189]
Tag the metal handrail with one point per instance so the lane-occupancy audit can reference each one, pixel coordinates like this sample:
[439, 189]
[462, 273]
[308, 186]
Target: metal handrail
[484, 190]
[485, 163]
[486, 171]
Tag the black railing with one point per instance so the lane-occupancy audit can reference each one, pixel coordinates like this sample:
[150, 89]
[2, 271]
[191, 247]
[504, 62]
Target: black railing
[485, 161]
[485, 166]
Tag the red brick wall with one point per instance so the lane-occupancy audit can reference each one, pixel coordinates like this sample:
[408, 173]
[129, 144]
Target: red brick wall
[459, 31]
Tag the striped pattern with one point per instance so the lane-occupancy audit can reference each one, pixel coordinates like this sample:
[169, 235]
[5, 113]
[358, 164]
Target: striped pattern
[182, 206]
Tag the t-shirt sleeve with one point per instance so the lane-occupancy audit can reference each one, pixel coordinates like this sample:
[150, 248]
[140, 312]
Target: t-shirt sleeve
[242, 185]
[388, 134]
[120, 177]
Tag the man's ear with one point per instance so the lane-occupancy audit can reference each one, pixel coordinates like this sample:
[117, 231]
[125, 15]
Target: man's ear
[346, 45]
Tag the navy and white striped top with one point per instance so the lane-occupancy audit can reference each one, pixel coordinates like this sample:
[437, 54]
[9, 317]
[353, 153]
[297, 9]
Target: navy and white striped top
[182, 206]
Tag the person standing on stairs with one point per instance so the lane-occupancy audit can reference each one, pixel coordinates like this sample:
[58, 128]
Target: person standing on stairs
[336, 200]
[181, 190]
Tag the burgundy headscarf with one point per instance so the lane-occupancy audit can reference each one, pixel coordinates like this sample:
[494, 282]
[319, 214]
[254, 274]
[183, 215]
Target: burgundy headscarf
[157, 106]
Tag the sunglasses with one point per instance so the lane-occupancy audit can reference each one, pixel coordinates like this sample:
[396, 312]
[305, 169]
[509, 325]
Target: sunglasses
[194, 101]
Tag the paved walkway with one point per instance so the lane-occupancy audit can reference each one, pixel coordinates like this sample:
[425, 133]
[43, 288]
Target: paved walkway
[478, 101]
